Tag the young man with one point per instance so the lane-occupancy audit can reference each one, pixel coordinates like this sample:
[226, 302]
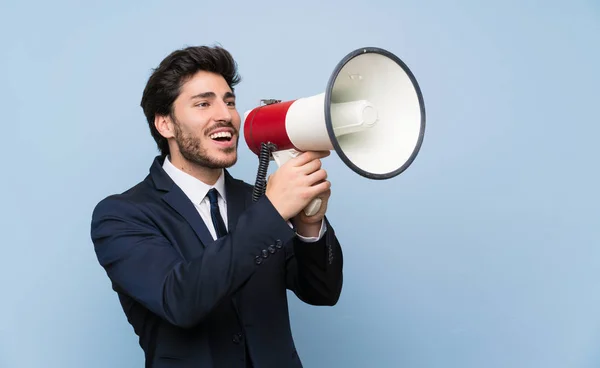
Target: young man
[200, 269]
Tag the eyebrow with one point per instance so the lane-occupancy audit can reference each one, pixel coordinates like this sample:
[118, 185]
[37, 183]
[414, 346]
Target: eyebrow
[212, 95]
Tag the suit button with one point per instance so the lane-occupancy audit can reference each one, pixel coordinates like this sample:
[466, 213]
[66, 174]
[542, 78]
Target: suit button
[278, 244]
[258, 260]
[237, 338]
[271, 249]
[265, 254]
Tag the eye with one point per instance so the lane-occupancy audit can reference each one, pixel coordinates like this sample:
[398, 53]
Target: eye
[202, 104]
[231, 103]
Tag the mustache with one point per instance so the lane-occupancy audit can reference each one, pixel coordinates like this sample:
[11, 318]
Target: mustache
[221, 125]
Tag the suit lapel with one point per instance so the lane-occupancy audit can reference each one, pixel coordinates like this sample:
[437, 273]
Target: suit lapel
[175, 198]
[236, 200]
[182, 204]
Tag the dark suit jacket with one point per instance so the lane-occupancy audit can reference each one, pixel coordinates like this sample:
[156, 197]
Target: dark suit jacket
[196, 302]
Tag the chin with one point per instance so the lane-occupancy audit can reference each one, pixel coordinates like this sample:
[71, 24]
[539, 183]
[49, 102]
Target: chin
[223, 161]
[212, 158]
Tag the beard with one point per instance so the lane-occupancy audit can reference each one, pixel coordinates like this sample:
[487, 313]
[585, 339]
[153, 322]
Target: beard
[190, 147]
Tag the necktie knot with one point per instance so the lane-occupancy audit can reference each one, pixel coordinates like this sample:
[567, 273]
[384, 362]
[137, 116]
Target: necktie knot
[213, 196]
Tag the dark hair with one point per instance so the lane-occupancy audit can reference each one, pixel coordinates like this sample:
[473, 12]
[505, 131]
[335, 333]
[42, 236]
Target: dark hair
[164, 85]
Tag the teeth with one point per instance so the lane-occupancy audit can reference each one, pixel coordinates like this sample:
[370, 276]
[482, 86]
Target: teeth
[220, 135]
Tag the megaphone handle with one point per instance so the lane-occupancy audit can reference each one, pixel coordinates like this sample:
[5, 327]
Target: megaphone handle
[281, 157]
[313, 207]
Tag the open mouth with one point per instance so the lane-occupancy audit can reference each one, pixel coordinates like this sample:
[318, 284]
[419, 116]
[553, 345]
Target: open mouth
[221, 136]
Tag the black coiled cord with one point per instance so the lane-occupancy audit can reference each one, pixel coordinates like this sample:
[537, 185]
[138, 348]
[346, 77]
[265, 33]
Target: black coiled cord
[260, 187]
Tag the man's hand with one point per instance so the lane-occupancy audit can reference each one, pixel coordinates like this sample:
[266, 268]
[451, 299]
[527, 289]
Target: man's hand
[310, 226]
[296, 183]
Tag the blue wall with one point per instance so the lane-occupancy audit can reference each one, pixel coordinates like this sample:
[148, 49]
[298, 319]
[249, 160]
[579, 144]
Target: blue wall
[485, 253]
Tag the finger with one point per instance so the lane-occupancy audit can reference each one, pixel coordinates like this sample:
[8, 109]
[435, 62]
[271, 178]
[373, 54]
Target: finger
[310, 167]
[320, 188]
[316, 177]
[308, 156]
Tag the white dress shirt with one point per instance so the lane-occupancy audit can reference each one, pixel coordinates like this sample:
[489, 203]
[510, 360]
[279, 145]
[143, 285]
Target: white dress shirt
[197, 191]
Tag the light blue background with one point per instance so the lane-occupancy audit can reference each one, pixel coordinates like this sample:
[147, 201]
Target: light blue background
[485, 253]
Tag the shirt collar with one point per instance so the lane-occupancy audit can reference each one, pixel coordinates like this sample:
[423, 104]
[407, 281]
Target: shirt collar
[195, 189]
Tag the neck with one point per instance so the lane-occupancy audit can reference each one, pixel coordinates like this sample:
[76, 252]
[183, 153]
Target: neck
[204, 174]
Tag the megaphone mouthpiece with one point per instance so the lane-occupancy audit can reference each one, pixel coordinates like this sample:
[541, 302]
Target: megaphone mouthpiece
[352, 117]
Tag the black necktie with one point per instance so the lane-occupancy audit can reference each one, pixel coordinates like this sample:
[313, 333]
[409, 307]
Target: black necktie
[215, 213]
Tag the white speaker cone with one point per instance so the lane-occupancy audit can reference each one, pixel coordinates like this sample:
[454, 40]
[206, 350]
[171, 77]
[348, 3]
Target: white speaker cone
[374, 113]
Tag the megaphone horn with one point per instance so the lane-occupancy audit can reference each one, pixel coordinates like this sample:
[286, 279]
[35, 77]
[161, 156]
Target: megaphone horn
[371, 113]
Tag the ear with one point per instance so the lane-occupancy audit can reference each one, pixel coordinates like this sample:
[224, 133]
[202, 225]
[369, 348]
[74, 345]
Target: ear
[164, 125]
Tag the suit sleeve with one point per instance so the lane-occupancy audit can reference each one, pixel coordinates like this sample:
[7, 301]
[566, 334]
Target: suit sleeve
[314, 269]
[142, 263]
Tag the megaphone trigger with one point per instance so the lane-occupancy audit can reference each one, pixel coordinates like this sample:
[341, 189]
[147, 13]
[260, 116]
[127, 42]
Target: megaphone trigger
[281, 157]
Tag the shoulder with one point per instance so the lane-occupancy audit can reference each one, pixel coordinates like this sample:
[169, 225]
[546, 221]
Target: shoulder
[126, 203]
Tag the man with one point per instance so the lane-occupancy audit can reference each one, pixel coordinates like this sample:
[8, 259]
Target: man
[200, 269]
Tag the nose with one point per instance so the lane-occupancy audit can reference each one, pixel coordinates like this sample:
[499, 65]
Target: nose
[222, 112]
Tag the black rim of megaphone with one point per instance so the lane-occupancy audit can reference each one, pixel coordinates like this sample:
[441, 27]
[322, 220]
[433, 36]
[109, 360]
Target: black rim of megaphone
[329, 124]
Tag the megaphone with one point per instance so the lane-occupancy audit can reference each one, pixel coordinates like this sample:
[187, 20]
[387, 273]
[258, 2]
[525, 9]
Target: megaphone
[371, 113]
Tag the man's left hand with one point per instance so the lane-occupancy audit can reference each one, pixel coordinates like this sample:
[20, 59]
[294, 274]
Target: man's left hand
[310, 226]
